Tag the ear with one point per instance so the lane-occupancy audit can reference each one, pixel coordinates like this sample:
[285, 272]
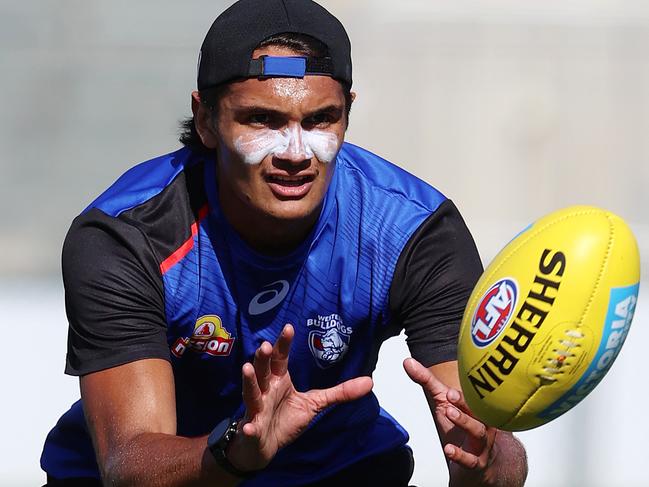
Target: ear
[203, 122]
[353, 98]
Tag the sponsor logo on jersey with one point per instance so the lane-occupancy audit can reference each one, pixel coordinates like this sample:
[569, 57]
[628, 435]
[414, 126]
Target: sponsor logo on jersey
[493, 312]
[210, 337]
[328, 339]
[266, 300]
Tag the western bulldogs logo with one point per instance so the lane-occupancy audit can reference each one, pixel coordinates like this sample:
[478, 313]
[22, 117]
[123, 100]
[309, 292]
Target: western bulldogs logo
[329, 339]
[493, 312]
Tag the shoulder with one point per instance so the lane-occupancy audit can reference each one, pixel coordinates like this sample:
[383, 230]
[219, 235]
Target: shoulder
[149, 209]
[433, 279]
[146, 181]
[386, 179]
[113, 260]
[396, 197]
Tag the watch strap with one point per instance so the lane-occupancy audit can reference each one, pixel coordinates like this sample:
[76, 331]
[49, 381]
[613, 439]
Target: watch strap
[218, 442]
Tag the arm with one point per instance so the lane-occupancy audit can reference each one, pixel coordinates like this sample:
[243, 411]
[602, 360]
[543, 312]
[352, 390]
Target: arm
[435, 275]
[117, 345]
[131, 415]
[130, 412]
[477, 455]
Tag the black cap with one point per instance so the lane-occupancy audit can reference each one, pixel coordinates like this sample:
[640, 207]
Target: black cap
[226, 54]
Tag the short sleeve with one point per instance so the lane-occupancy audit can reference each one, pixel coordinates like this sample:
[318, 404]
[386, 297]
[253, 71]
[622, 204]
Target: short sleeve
[433, 279]
[113, 295]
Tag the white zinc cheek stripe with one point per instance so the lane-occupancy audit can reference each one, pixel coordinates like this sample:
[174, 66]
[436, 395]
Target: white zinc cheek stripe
[291, 142]
[256, 147]
[323, 144]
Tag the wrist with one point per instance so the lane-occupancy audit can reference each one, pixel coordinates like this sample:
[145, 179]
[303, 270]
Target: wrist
[220, 445]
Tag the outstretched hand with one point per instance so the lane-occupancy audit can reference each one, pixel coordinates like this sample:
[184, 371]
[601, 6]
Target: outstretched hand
[468, 443]
[276, 414]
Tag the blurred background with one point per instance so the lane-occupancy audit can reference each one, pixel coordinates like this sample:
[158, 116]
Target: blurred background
[512, 109]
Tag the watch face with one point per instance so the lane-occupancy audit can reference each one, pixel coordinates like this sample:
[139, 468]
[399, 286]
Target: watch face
[218, 432]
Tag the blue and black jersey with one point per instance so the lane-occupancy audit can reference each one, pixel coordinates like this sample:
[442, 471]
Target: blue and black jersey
[152, 269]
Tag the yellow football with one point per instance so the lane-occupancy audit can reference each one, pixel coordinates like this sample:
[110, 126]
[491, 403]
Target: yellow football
[548, 317]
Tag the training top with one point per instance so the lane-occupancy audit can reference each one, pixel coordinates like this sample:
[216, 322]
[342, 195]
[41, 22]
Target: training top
[152, 269]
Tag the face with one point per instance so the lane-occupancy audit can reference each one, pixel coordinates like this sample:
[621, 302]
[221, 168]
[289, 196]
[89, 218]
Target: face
[276, 141]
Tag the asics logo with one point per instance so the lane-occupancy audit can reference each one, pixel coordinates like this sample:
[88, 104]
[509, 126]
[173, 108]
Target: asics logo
[267, 300]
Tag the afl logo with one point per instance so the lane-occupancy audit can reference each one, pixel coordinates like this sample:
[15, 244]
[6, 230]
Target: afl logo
[493, 312]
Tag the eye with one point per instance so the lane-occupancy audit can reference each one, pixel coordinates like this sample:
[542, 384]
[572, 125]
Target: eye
[319, 120]
[259, 119]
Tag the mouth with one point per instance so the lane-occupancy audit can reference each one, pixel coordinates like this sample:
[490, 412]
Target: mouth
[290, 187]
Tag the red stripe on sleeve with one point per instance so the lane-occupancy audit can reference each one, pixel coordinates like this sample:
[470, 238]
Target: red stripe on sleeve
[188, 245]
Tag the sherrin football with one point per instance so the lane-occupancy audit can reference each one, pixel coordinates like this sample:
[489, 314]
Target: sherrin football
[548, 317]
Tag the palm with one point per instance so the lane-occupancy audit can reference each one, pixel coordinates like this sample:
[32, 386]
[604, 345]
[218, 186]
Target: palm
[284, 416]
[276, 414]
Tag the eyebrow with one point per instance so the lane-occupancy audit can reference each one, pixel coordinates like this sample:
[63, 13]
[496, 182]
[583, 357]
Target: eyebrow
[332, 108]
[327, 109]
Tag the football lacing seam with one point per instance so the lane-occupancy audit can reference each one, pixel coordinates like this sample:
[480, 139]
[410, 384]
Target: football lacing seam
[562, 355]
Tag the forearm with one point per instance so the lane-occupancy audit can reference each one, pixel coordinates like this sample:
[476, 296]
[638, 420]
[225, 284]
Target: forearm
[508, 465]
[157, 460]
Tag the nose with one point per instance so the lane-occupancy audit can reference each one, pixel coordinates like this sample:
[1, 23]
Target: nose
[294, 149]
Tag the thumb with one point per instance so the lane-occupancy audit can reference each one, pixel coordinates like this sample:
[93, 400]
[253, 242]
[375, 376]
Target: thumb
[347, 391]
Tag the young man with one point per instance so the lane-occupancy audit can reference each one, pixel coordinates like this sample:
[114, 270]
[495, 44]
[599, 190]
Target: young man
[227, 301]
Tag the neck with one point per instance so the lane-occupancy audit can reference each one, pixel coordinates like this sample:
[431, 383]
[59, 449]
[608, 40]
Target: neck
[262, 232]
[273, 237]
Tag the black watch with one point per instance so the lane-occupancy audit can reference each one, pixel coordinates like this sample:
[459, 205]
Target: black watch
[218, 441]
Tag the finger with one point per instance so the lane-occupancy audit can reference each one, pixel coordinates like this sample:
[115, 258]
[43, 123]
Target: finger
[456, 398]
[251, 393]
[251, 431]
[347, 391]
[477, 431]
[281, 349]
[424, 377]
[463, 458]
[262, 365]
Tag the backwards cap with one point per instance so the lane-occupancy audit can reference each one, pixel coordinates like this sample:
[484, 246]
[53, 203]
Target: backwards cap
[226, 53]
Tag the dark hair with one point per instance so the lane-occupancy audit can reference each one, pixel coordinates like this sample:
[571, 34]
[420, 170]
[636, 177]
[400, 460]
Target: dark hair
[299, 43]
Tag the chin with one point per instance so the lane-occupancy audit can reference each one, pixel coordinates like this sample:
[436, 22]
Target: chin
[291, 211]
